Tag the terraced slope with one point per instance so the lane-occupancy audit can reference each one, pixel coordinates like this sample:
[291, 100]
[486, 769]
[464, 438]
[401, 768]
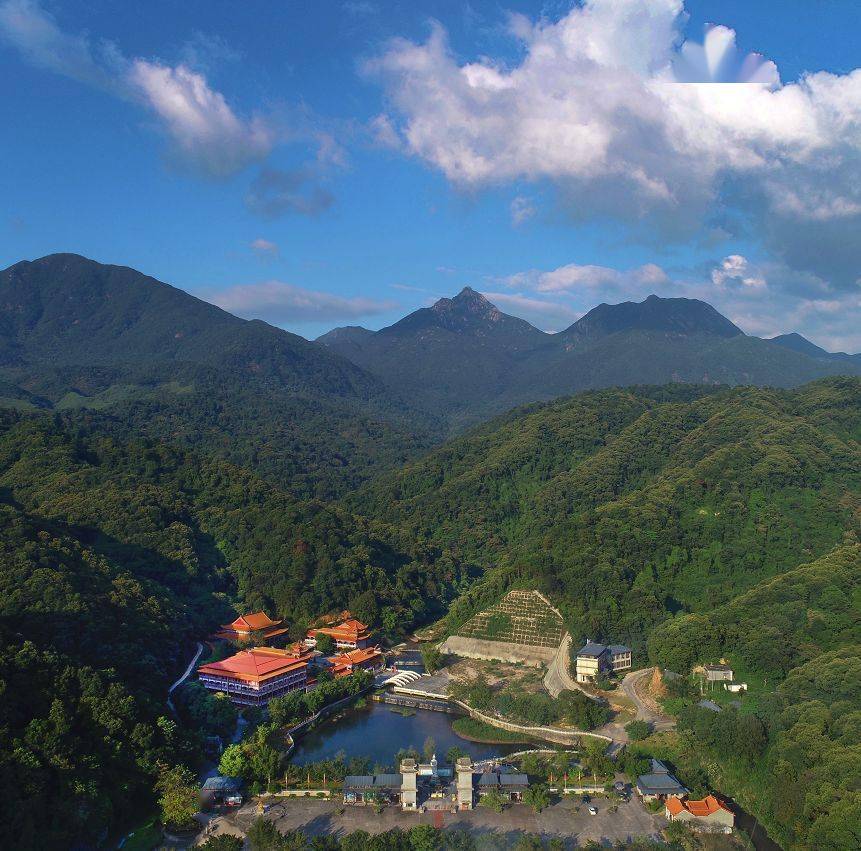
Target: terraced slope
[520, 617]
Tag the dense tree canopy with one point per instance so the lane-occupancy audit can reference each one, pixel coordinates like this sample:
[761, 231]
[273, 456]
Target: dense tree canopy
[114, 556]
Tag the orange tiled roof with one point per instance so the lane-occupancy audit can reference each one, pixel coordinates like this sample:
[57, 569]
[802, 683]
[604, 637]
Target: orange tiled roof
[344, 662]
[252, 622]
[706, 807]
[351, 628]
[356, 657]
[256, 664]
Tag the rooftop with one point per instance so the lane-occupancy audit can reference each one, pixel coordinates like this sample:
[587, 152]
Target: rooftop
[700, 809]
[373, 781]
[494, 778]
[594, 649]
[356, 657]
[255, 664]
[348, 627]
[659, 781]
[221, 784]
[251, 622]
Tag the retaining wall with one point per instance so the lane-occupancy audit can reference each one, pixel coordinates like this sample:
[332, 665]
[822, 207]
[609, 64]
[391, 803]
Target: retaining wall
[499, 651]
[550, 734]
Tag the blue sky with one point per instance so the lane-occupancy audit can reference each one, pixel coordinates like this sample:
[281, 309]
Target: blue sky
[329, 163]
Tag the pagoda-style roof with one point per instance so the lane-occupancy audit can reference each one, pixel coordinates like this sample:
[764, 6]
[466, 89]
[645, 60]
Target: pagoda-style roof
[252, 622]
[245, 625]
[351, 628]
[256, 664]
[345, 662]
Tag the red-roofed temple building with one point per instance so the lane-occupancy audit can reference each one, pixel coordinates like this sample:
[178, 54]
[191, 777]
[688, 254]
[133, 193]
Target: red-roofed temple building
[248, 627]
[349, 635]
[363, 659]
[253, 677]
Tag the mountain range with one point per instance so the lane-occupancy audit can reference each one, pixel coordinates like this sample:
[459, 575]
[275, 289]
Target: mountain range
[465, 360]
[151, 359]
[162, 461]
[321, 417]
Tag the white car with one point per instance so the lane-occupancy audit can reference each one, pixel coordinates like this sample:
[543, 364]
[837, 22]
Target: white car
[593, 811]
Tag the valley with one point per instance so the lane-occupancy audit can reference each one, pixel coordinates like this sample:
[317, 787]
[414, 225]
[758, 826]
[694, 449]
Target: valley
[165, 466]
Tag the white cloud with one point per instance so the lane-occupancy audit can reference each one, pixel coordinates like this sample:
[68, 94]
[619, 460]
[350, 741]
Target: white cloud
[522, 209]
[610, 105]
[205, 131]
[264, 248]
[575, 278]
[278, 302]
[736, 271]
[764, 298]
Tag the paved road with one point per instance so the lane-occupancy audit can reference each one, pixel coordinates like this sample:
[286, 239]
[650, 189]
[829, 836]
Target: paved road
[558, 677]
[633, 684]
[184, 677]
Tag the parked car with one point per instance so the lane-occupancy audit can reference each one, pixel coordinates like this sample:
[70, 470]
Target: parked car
[593, 811]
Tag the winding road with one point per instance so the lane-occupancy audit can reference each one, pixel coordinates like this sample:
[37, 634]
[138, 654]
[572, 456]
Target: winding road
[558, 677]
[184, 677]
[634, 684]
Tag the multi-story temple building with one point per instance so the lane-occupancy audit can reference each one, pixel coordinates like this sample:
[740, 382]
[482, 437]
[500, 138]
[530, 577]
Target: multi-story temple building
[350, 634]
[253, 677]
[257, 626]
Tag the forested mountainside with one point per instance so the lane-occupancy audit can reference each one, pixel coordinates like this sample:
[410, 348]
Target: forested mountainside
[113, 556]
[631, 505]
[79, 334]
[466, 360]
[796, 761]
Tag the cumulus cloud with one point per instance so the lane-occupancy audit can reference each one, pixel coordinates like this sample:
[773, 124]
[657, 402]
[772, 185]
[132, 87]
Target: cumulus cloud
[275, 192]
[206, 133]
[764, 298]
[736, 271]
[627, 119]
[590, 279]
[278, 302]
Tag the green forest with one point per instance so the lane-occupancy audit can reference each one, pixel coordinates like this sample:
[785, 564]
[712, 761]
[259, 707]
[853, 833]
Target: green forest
[114, 556]
[688, 522]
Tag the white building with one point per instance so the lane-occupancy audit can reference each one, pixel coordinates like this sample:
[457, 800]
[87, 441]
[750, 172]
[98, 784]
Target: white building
[594, 659]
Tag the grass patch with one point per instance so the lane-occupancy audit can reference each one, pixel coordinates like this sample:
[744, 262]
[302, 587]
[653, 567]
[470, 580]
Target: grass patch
[477, 731]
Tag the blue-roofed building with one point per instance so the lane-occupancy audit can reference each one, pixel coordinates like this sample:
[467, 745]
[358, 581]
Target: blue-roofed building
[222, 790]
[594, 659]
[659, 784]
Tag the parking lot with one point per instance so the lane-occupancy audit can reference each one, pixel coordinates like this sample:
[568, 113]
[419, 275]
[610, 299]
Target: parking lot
[567, 819]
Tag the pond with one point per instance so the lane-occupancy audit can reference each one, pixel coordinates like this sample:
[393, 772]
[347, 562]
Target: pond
[379, 733]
